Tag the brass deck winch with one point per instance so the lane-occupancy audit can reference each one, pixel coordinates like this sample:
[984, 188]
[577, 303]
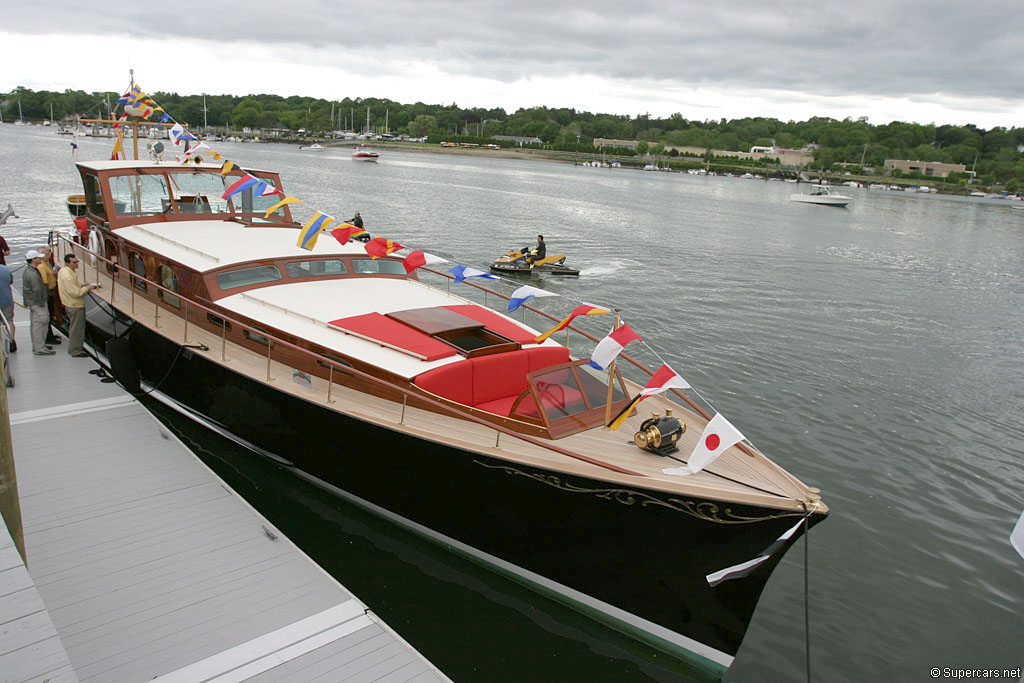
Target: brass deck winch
[659, 434]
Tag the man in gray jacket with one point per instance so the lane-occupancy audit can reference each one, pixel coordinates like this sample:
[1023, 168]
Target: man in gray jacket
[33, 290]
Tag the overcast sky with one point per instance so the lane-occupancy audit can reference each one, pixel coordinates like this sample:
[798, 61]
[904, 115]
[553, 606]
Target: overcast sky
[923, 61]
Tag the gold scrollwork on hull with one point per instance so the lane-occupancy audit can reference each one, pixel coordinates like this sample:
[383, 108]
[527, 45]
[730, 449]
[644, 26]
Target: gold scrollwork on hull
[704, 510]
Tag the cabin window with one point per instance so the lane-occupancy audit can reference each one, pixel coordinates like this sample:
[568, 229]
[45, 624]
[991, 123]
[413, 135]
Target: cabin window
[111, 252]
[315, 268]
[378, 267]
[337, 361]
[93, 195]
[257, 337]
[243, 277]
[138, 195]
[199, 192]
[219, 321]
[138, 267]
[170, 281]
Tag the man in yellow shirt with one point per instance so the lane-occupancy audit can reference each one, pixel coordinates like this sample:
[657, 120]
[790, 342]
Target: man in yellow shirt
[72, 295]
[50, 280]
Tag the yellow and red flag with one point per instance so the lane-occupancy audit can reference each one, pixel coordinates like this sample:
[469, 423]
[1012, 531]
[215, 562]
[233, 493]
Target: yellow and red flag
[346, 231]
[582, 309]
[381, 246]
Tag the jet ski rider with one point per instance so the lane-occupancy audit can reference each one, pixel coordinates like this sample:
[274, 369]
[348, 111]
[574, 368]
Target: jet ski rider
[537, 253]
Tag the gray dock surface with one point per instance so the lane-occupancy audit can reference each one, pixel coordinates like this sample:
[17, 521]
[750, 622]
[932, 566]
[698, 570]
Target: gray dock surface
[148, 566]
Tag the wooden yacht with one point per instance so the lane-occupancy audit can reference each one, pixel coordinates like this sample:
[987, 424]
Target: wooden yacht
[429, 408]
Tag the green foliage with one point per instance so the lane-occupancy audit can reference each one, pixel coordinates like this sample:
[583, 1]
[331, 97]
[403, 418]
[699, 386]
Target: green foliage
[992, 153]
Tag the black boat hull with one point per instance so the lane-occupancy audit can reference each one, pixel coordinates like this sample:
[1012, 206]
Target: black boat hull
[601, 547]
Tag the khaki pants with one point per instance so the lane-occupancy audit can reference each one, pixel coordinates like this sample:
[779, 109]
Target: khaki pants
[39, 321]
[76, 330]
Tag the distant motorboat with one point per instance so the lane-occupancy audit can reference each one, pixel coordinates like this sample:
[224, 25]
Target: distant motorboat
[821, 194]
[978, 193]
[315, 147]
[364, 153]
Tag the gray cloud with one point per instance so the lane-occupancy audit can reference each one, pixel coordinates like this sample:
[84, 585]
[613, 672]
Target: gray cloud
[869, 48]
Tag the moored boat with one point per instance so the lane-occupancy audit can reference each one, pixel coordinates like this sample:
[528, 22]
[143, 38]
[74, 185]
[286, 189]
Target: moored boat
[437, 412]
[364, 153]
[821, 194]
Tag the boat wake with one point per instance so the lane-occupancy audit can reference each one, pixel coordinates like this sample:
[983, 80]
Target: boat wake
[609, 267]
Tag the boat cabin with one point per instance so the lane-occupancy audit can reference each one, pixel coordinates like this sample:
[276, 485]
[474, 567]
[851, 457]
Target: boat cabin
[169, 224]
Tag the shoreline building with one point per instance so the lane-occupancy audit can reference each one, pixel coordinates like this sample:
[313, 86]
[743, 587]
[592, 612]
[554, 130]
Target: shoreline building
[934, 169]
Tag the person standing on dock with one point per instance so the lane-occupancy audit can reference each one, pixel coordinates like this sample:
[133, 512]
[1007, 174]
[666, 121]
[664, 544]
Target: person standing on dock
[7, 301]
[72, 294]
[33, 291]
[50, 280]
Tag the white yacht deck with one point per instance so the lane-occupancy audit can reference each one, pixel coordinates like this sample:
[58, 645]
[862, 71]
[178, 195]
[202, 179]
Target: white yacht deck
[143, 565]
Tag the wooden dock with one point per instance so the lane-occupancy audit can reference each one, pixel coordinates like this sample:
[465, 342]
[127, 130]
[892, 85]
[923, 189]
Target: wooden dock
[143, 564]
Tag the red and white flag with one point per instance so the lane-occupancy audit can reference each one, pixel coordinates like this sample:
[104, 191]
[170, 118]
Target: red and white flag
[611, 346]
[718, 436]
[420, 258]
[664, 379]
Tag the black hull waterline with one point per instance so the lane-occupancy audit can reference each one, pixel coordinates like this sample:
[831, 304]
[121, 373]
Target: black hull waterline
[619, 553]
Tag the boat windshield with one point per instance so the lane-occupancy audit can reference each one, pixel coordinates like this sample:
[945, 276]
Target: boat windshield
[138, 195]
[192, 192]
[199, 192]
[573, 392]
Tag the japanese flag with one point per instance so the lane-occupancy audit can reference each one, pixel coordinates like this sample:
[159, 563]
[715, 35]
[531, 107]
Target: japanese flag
[717, 437]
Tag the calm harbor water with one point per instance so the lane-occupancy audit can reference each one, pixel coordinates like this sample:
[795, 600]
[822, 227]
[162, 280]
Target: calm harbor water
[875, 352]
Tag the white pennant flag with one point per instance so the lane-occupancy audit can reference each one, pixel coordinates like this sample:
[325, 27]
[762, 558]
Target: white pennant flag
[1017, 537]
[718, 436]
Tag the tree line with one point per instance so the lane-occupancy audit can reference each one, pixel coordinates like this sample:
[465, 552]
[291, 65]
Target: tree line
[994, 153]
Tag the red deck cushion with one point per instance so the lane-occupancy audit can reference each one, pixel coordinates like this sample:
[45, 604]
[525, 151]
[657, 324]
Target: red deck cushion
[453, 381]
[494, 322]
[383, 329]
[498, 376]
[540, 357]
[493, 383]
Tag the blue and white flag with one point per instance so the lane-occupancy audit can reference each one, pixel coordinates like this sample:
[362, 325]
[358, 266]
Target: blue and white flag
[462, 272]
[525, 292]
[177, 133]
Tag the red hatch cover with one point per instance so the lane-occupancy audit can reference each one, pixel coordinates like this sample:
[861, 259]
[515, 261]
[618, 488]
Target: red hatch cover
[393, 334]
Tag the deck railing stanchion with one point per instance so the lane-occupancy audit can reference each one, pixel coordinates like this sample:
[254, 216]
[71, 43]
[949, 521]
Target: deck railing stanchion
[224, 341]
[186, 321]
[156, 311]
[405, 400]
[330, 384]
[270, 348]
[132, 281]
[497, 439]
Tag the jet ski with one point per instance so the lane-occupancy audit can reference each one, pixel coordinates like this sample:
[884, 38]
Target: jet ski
[514, 261]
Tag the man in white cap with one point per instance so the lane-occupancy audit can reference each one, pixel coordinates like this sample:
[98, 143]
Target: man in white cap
[33, 290]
